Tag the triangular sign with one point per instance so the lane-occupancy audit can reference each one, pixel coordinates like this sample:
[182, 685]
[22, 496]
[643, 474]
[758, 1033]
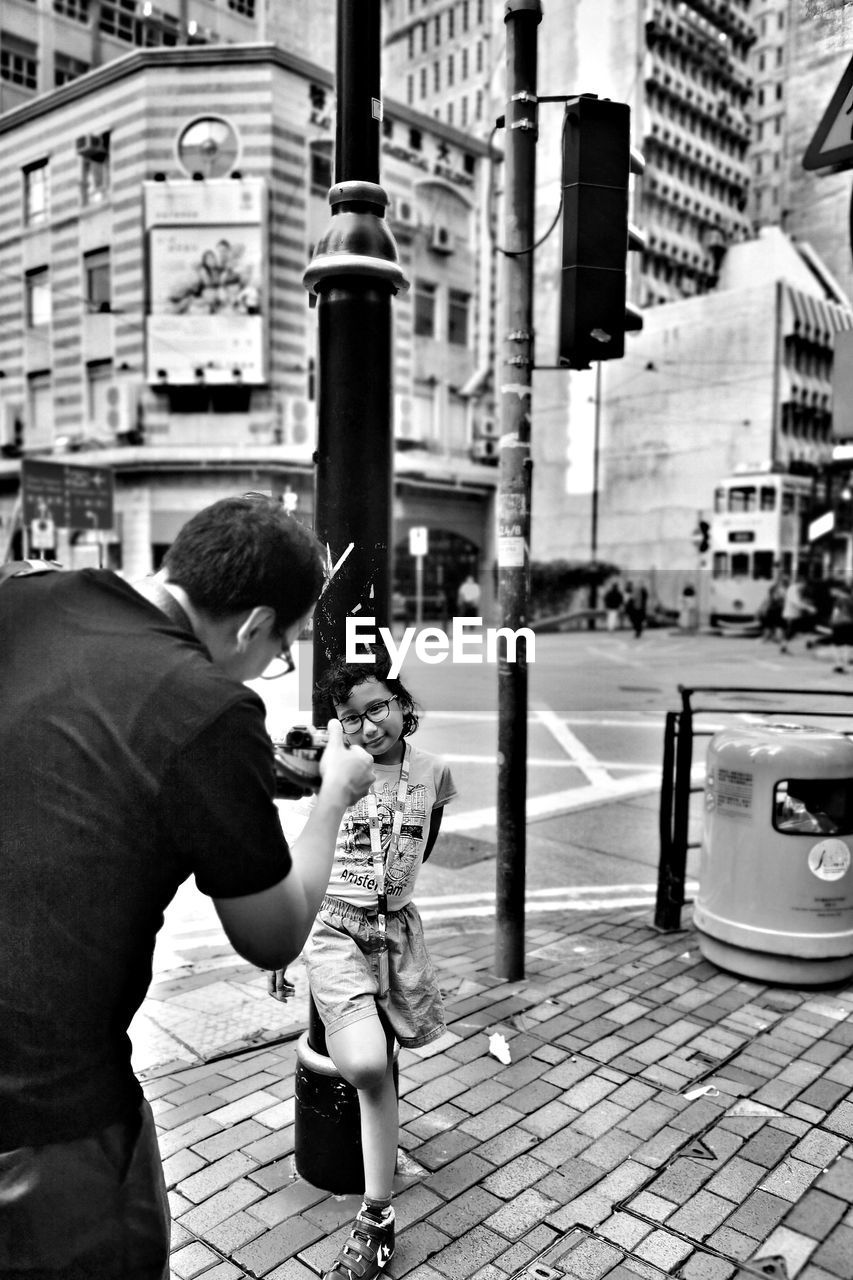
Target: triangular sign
[832, 144]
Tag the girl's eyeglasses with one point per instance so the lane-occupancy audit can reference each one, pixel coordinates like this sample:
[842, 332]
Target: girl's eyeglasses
[351, 721]
[280, 666]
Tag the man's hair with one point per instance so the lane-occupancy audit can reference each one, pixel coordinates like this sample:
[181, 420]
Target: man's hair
[338, 682]
[241, 553]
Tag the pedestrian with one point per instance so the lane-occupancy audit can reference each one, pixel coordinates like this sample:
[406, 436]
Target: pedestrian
[636, 604]
[797, 610]
[131, 757]
[368, 969]
[613, 601]
[841, 621]
[770, 613]
[468, 597]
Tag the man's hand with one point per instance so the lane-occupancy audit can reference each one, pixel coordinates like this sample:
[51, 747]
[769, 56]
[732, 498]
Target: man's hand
[347, 772]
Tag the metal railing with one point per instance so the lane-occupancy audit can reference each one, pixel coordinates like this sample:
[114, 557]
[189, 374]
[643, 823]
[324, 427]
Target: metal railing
[677, 785]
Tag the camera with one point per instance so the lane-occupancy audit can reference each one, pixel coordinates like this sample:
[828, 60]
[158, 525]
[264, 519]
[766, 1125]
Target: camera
[297, 760]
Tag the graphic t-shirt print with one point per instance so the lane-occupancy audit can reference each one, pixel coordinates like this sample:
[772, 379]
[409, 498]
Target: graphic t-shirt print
[356, 859]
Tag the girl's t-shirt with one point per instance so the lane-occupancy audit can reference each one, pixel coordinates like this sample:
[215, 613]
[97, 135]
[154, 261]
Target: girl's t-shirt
[353, 878]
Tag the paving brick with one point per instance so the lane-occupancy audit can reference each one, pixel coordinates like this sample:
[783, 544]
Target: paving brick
[703, 1266]
[199, 1186]
[701, 1215]
[733, 1244]
[459, 1174]
[490, 1122]
[663, 1249]
[790, 1180]
[736, 1179]
[463, 1256]
[681, 1179]
[816, 1214]
[192, 1260]
[417, 1244]
[840, 1120]
[425, 1124]
[759, 1214]
[515, 1176]
[837, 1180]
[611, 1148]
[444, 1148]
[818, 1148]
[273, 1247]
[226, 1140]
[590, 1259]
[482, 1096]
[506, 1146]
[767, 1147]
[230, 1234]
[220, 1206]
[176, 1117]
[836, 1253]
[286, 1202]
[526, 1210]
[624, 1229]
[180, 1166]
[464, 1212]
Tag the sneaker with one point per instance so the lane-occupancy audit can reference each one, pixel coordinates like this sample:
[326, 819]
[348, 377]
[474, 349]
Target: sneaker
[369, 1247]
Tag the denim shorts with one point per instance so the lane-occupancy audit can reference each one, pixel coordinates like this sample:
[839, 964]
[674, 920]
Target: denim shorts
[342, 966]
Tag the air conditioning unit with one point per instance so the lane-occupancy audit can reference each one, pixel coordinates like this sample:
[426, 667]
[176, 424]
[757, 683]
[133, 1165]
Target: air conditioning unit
[404, 212]
[297, 418]
[406, 426]
[484, 450]
[122, 416]
[93, 146]
[441, 240]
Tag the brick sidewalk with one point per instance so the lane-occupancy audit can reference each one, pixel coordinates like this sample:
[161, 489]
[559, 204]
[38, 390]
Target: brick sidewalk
[658, 1118]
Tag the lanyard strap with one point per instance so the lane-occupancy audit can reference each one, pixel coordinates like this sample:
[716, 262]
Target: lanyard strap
[375, 826]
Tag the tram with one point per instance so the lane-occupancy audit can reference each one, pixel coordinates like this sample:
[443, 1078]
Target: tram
[757, 535]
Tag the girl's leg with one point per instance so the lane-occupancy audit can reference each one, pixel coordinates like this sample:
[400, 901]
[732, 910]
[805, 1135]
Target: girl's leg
[362, 1053]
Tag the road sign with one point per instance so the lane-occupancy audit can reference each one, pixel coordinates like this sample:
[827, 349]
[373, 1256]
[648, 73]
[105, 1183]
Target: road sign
[72, 497]
[42, 535]
[821, 526]
[832, 144]
[418, 540]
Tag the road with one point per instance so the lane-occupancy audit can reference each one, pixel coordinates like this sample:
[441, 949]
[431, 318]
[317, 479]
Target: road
[597, 705]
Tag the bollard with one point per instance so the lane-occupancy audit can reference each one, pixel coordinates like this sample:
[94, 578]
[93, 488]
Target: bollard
[327, 1119]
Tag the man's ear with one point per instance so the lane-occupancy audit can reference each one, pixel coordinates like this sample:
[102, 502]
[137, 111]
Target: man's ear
[259, 622]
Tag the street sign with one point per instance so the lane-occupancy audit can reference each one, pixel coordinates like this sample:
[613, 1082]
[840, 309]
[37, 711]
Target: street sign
[72, 497]
[832, 144]
[42, 535]
[418, 540]
[822, 525]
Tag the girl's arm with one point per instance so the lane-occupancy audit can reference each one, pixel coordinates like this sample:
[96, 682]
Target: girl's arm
[434, 828]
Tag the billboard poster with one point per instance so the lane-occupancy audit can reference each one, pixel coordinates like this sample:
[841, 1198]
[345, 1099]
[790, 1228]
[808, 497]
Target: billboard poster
[205, 284]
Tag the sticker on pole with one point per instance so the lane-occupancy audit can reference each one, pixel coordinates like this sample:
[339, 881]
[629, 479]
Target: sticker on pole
[829, 859]
[418, 540]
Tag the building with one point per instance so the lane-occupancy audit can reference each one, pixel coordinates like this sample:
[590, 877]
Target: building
[737, 379]
[157, 323]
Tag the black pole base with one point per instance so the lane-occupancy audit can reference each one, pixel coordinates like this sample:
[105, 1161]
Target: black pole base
[327, 1125]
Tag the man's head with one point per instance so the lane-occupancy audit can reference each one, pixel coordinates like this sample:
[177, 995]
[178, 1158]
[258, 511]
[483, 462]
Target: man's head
[250, 573]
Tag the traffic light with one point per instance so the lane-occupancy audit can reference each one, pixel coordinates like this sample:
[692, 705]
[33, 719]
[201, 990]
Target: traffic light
[597, 163]
[702, 536]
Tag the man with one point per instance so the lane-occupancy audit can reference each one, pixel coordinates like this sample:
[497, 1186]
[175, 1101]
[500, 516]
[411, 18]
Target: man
[468, 597]
[131, 757]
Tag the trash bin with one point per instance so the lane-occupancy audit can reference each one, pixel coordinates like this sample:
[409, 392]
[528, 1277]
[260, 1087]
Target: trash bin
[775, 898]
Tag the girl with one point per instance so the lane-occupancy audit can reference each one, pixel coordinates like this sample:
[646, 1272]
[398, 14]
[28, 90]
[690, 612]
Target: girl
[370, 976]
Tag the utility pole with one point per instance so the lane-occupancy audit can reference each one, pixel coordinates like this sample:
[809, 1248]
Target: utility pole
[593, 519]
[522, 18]
[354, 273]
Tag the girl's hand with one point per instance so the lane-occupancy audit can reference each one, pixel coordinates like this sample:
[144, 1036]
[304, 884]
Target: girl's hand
[279, 987]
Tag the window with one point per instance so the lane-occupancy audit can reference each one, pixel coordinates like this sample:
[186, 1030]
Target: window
[763, 565]
[458, 309]
[768, 498]
[99, 384]
[424, 309]
[436, 75]
[416, 139]
[423, 37]
[464, 109]
[450, 69]
[451, 20]
[78, 10]
[18, 61]
[245, 7]
[742, 498]
[464, 15]
[39, 432]
[721, 565]
[35, 193]
[423, 82]
[38, 302]
[118, 19]
[66, 68]
[410, 90]
[321, 167]
[450, 113]
[464, 71]
[437, 30]
[97, 278]
[94, 180]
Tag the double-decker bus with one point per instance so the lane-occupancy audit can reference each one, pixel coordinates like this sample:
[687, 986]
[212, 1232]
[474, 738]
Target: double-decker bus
[757, 536]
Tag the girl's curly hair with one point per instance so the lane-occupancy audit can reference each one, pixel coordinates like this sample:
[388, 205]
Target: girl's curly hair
[342, 677]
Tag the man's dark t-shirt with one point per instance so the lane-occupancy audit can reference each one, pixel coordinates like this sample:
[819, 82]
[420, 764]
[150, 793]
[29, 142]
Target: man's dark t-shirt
[128, 762]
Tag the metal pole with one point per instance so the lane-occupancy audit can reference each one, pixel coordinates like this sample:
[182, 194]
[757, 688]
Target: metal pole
[354, 273]
[522, 18]
[593, 529]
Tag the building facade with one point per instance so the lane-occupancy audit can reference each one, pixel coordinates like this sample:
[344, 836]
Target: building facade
[153, 251]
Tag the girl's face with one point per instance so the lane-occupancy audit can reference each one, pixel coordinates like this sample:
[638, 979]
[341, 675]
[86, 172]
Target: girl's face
[384, 740]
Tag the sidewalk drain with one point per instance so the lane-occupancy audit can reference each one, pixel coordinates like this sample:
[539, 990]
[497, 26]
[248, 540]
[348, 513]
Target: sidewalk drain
[581, 1251]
